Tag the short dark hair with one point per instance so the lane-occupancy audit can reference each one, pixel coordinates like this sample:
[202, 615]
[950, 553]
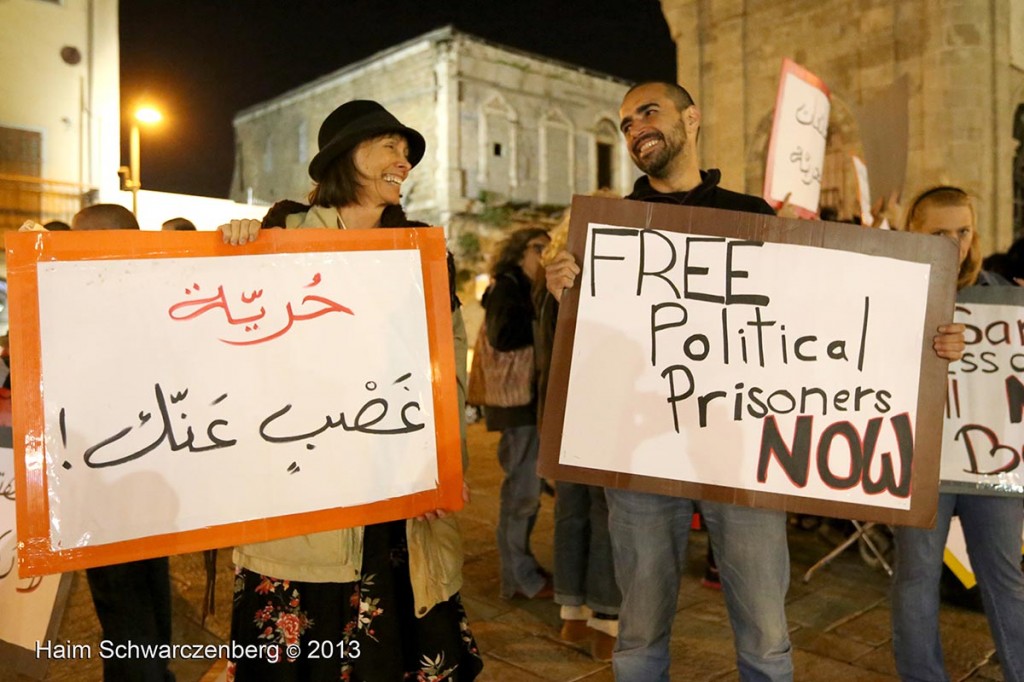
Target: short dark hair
[57, 226]
[675, 92]
[340, 184]
[104, 217]
[178, 224]
[511, 251]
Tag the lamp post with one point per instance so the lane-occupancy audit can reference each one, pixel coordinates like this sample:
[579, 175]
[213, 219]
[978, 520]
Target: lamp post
[146, 115]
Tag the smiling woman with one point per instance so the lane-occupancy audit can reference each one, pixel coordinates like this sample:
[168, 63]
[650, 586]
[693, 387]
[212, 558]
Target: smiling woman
[384, 597]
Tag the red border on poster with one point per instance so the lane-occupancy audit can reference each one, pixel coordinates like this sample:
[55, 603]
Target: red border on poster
[788, 67]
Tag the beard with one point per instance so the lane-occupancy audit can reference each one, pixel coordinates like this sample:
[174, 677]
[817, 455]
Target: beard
[657, 164]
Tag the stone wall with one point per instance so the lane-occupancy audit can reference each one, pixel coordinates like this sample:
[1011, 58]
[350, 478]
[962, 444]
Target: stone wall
[275, 141]
[955, 53]
[502, 126]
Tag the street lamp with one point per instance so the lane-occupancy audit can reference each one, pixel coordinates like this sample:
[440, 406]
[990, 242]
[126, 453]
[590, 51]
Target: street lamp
[147, 115]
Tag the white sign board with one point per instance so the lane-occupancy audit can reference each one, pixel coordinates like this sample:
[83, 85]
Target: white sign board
[739, 369]
[863, 191]
[796, 153]
[29, 607]
[234, 389]
[983, 434]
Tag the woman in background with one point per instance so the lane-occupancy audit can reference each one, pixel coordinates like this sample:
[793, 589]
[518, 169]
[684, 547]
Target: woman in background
[992, 525]
[390, 589]
[509, 326]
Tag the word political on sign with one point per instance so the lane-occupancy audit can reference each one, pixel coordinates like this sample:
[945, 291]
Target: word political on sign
[736, 345]
[983, 433]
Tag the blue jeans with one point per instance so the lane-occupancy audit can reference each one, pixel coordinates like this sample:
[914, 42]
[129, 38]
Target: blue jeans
[584, 573]
[520, 500]
[992, 529]
[649, 535]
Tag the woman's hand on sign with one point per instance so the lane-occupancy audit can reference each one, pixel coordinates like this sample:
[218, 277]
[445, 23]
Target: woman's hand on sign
[441, 513]
[561, 274]
[239, 232]
[949, 343]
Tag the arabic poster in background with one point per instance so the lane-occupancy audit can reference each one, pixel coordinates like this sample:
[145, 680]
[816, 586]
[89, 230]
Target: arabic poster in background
[233, 391]
[983, 434]
[750, 359]
[863, 190]
[796, 152]
[31, 608]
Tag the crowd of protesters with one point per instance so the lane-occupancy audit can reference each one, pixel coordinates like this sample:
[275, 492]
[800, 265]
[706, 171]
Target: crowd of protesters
[618, 554]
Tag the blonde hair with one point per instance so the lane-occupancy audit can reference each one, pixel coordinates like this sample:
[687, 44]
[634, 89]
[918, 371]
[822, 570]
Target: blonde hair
[946, 196]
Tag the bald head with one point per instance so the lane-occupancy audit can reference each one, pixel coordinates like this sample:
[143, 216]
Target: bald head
[104, 217]
[178, 225]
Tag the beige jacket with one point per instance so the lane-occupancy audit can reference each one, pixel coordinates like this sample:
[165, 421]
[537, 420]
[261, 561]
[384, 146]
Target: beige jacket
[435, 547]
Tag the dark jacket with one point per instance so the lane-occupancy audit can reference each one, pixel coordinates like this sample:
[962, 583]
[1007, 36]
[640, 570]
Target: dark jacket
[509, 318]
[707, 194]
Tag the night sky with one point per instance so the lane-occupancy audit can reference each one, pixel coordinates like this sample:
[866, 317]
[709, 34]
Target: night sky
[201, 61]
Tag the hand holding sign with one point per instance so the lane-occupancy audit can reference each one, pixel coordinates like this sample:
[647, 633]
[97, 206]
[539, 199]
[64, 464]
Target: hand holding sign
[561, 274]
[240, 232]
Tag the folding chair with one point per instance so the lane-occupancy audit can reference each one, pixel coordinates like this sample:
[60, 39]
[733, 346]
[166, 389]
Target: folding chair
[861, 536]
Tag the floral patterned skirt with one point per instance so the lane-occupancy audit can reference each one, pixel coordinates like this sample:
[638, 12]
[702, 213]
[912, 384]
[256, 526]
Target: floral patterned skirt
[364, 631]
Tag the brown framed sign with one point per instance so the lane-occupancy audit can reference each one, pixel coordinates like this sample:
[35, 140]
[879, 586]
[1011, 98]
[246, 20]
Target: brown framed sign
[745, 358]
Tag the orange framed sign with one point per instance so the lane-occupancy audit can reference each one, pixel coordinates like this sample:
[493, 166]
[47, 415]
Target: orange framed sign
[173, 393]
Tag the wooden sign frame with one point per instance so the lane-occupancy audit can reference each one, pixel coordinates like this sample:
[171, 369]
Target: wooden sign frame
[938, 253]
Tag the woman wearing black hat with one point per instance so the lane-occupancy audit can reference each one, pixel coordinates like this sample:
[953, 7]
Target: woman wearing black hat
[387, 594]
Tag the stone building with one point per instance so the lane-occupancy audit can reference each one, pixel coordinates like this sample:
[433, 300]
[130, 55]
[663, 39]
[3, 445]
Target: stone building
[502, 127]
[60, 110]
[963, 61]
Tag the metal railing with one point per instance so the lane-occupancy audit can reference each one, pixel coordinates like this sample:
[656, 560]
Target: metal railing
[27, 198]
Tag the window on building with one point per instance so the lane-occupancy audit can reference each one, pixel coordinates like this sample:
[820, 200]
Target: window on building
[497, 171]
[303, 140]
[21, 152]
[606, 138]
[21, 161]
[268, 155]
[604, 165]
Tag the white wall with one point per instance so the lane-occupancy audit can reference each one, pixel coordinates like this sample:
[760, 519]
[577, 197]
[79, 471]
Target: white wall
[205, 212]
[42, 93]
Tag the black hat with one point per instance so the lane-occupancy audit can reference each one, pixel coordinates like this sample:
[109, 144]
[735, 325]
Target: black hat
[353, 122]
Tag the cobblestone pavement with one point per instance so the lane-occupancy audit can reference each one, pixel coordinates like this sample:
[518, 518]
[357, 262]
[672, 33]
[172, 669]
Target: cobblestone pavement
[839, 619]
